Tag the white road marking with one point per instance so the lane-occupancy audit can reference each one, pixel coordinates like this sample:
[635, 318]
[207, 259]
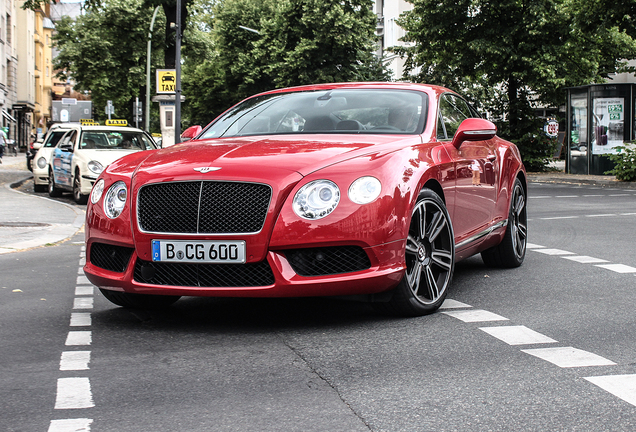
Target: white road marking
[584, 259]
[84, 290]
[559, 217]
[82, 261]
[596, 195]
[618, 268]
[567, 196]
[73, 393]
[628, 214]
[83, 280]
[80, 319]
[75, 360]
[83, 303]
[517, 335]
[71, 425]
[554, 252]
[533, 246]
[476, 315]
[453, 304]
[82, 337]
[540, 197]
[622, 386]
[601, 215]
[567, 357]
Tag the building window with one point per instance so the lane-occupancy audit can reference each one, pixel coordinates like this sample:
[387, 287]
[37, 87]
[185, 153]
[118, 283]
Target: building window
[9, 29]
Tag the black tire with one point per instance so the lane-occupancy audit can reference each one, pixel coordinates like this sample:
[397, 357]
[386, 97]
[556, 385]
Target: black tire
[77, 189]
[40, 188]
[430, 260]
[139, 301]
[511, 251]
[54, 191]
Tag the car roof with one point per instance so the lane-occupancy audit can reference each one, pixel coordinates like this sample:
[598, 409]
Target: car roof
[400, 85]
[68, 126]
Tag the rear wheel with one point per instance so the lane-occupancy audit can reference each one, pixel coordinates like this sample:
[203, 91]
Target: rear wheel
[54, 191]
[430, 260]
[77, 189]
[512, 249]
[139, 301]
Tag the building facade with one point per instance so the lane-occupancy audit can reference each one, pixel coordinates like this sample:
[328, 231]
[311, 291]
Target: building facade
[9, 61]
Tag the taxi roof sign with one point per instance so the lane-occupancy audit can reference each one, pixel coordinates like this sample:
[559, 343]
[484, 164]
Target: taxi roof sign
[116, 123]
[166, 81]
[88, 122]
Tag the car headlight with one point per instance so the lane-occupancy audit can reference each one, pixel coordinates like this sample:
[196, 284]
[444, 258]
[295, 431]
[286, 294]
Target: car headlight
[95, 167]
[316, 199]
[115, 199]
[364, 190]
[41, 162]
[97, 191]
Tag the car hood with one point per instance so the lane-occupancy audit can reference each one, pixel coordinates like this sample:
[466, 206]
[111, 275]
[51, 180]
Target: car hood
[105, 157]
[262, 157]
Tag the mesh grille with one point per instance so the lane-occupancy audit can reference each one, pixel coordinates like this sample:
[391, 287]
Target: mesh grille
[204, 275]
[203, 207]
[328, 261]
[109, 257]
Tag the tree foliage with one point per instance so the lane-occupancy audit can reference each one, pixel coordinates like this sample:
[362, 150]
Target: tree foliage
[298, 42]
[104, 52]
[518, 52]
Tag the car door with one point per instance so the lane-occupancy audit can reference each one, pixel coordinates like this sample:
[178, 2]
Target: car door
[62, 159]
[476, 171]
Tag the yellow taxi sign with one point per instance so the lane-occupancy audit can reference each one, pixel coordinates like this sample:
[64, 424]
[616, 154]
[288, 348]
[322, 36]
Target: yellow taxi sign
[166, 80]
[88, 122]
[116, 123]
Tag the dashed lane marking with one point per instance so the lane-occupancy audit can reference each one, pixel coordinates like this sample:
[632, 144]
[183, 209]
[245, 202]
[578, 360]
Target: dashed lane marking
[621, 386]
[82, 290]
[74, 393]
[568, 357]
[453, 304]
[475, 315]
[83, 303]
[517, 335]
[80, 319]
[82, 337]
[71, 425]
[75, 360]
[554, 251]
[618, 268]
[584, 259]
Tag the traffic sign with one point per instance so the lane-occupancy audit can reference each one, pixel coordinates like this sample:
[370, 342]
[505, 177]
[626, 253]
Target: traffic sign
[166, 81]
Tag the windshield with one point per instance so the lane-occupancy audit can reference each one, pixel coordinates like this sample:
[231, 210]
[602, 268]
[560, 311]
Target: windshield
[332, 111]
[115, 140]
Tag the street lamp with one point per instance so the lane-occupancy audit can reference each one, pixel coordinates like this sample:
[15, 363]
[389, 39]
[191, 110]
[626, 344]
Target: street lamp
[152, 23]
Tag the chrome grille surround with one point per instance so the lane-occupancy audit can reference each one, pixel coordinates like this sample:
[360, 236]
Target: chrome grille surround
[203, 207]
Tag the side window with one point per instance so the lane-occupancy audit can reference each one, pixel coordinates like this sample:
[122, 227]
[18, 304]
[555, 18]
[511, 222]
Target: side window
[453, 111]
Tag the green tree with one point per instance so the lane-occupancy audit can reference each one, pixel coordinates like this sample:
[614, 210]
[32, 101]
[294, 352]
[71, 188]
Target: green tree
[515, 52]
[104, 52]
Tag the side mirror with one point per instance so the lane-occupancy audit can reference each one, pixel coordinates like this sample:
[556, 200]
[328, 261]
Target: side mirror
[66, 147]
[190, 133]
[474, 129]
[37, 145]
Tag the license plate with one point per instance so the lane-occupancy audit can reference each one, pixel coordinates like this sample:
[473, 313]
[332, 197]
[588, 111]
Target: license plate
[227, 251]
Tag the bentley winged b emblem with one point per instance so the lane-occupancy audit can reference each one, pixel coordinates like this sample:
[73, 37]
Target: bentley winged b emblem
[204, 170]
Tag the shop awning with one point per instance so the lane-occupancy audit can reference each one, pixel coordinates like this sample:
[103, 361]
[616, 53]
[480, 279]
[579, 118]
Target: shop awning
[8, 116]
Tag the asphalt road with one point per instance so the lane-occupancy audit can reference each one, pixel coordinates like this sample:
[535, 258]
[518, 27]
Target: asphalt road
[530, 349]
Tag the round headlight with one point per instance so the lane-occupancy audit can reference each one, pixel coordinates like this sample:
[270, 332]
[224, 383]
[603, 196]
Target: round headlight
[115, 199]
[317, 199]
[41, 162]
[364, 190]
[97, 191]
[96, 167]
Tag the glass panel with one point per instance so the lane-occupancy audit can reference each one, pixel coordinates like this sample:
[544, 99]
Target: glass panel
[578, 134]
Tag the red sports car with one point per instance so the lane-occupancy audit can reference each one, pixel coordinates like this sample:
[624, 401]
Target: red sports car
[363, 190]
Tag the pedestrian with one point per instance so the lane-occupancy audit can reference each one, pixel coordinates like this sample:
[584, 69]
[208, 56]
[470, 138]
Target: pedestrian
[3, 142]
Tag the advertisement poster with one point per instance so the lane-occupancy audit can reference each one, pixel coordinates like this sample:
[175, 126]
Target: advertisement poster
[609, 125]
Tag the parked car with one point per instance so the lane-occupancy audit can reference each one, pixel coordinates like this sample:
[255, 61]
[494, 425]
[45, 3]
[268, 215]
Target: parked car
[366, 190]
[40, 165]
[84, 151]
[31, 151]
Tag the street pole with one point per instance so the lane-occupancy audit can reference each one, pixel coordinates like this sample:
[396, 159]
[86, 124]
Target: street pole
[177, 99]
[152, 23]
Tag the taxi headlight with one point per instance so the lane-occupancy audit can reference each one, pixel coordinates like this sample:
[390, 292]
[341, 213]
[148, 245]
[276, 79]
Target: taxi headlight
[95, 167]
[115, 199]
[97, 191]
[316, 199]
[41, 162]
[364, 190]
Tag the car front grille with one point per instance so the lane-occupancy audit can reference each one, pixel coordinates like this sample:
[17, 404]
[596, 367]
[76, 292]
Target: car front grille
[109, 257]
[328, 261]
[203, 207]
[204, 275]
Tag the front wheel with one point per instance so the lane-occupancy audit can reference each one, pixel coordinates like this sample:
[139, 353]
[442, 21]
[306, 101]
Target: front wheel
[511, 251]
[54, 191]
[139, 301]
[77, 189]
[430, 260]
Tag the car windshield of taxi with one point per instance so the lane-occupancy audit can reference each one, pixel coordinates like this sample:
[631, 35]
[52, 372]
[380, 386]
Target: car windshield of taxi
[83, 153]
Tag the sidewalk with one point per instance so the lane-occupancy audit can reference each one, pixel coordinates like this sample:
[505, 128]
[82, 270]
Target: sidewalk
[28, 221]
[559, 176]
